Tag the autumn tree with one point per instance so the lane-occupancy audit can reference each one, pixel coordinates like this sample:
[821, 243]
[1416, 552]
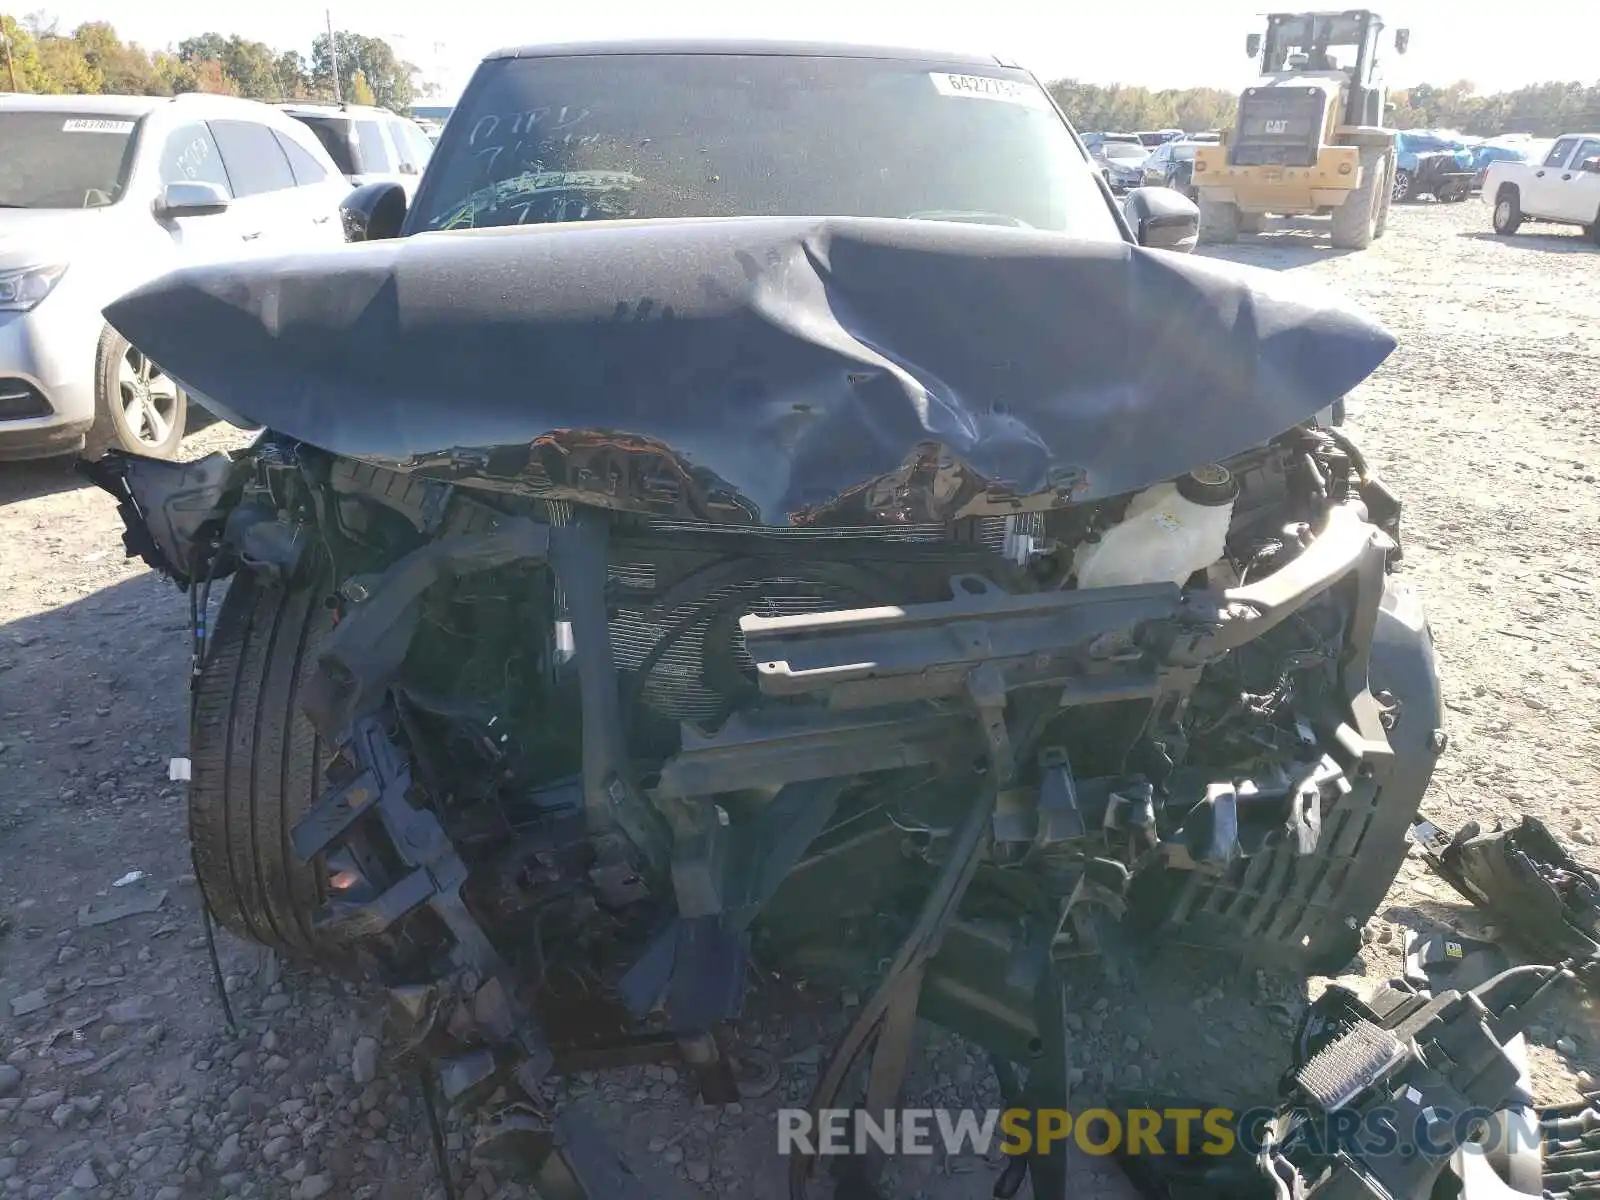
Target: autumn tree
[25, 72]
[360, 89]
[123, 69]
[389, 81]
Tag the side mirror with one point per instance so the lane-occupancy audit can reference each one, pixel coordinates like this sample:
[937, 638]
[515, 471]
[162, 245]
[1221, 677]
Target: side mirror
[1252, 45]
[1402, 39]
[190, 198]
[1591, 165]
[1162, 219]
[373, 212]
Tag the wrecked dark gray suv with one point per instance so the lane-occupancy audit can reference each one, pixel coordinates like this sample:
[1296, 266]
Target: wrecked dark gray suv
[767, 502]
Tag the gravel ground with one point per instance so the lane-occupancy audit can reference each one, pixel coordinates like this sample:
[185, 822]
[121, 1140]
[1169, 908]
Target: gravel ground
[120, 1078]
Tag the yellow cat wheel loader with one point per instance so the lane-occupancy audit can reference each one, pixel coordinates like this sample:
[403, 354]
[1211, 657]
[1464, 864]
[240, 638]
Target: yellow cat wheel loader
[1310, 137]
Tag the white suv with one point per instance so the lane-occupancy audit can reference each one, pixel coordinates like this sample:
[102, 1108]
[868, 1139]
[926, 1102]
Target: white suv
[370, 145]
[99, 194]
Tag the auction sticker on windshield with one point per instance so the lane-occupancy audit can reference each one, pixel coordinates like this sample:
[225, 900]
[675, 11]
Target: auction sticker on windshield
[986, 87]
[96, 125]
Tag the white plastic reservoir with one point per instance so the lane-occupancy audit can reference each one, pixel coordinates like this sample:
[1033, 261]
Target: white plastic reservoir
[1169, 532]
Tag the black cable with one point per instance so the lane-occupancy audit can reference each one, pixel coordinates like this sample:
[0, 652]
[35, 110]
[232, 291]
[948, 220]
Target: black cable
[436, 1134]
[217, 979]
[200, 638]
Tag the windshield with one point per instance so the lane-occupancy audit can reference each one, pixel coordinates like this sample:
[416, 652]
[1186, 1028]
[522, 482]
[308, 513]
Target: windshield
[617, 136]
[1123, 150]
[1314, 41]
[334, 134]
[64, 159]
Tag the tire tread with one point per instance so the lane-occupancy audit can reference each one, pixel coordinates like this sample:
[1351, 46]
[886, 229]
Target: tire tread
[256, 765]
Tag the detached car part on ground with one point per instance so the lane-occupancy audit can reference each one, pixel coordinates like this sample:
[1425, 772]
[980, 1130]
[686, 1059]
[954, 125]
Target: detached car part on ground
[612, 604]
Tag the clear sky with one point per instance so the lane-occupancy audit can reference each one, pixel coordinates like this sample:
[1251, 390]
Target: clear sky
[1159, 43]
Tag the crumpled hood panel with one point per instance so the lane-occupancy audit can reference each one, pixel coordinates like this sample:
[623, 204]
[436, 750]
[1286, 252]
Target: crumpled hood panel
[787, 360]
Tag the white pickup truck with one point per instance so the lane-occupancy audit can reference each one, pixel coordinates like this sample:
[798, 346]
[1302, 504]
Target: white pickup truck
[1564, 187]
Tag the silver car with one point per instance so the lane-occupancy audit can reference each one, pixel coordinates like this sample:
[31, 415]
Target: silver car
[99, 194]
[1122, 164]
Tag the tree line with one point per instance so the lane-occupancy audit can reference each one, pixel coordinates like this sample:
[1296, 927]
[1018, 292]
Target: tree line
[38, 57]
[1542, 109]
[93, 59]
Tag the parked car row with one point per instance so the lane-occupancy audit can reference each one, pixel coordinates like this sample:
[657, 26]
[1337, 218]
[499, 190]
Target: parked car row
[1171, 164]
[1122, 157]
[1129, 160]
[99, 194]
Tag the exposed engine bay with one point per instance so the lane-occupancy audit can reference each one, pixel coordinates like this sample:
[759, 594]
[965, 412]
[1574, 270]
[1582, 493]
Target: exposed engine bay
[574, 763]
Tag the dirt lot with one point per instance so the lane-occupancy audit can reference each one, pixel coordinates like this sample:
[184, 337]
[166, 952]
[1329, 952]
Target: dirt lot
[120, 1079]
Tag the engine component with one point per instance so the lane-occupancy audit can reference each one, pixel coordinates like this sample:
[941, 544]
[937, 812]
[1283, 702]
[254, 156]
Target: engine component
[1169, 532]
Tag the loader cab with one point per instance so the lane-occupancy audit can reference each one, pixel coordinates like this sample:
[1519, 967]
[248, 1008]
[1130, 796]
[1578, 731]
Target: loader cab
[1342, 46]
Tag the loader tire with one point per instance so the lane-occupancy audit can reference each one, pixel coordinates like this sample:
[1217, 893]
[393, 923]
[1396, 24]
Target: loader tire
[1219, 222]
[1356, 220]
[1385, 197]
[256, 762]
[1252, 222]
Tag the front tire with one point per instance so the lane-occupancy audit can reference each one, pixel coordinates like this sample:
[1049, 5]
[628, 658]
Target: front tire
[1385, 197]
[1251, 222]
[1219, 222]
[1400, 189]
[257, 763]
[1356, 220]
[1507, 211]
[138, 406]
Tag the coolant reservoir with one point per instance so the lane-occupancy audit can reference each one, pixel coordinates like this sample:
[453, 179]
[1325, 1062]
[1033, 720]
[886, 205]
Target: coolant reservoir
[1169, 532]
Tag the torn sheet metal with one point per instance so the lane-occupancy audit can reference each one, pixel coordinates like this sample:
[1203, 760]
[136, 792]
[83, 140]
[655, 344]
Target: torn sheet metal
[747, 369]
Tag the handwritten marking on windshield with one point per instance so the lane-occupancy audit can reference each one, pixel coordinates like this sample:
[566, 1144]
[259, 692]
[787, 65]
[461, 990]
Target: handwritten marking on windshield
[548, 118]
[579, 189]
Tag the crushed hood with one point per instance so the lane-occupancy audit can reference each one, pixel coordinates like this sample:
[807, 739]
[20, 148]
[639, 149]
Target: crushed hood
[759, 369]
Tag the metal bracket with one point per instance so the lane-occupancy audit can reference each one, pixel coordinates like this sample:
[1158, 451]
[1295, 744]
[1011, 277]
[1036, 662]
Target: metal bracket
[436, 873]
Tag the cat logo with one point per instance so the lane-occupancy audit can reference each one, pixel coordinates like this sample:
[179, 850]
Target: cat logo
[1277, 125]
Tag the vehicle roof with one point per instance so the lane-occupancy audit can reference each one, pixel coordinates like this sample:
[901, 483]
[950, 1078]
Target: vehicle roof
[1327, 12]
[313, 108]
[131, 106]
[796, 49]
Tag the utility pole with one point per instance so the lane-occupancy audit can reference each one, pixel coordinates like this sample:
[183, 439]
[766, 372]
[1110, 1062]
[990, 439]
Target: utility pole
[11, 67]
[333, 54]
